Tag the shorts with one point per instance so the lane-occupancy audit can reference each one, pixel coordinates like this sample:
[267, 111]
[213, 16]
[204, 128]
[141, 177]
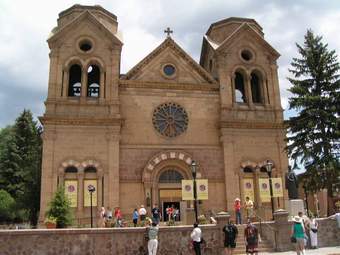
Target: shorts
[230, 244]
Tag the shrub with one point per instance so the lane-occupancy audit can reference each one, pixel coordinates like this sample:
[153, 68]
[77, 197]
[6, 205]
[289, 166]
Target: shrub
[60, 209]
[7, 207]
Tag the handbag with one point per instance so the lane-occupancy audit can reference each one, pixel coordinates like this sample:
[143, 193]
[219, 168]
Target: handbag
[293, 239]
[314, 230]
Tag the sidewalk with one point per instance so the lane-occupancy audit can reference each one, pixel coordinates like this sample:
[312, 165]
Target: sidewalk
[320, 251]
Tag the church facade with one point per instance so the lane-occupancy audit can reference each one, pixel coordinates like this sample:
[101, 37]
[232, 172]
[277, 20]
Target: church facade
[134, 136]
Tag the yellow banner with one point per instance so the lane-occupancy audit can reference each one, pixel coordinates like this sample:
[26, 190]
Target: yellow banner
[187, 190]
[277, 187]
[87, 201]
[248, 189]
[264, 189]
[202, 189]
[71, 191]
[170, 193]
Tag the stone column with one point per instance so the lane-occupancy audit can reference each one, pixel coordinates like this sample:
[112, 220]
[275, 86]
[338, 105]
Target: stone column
[113, 167]
[53, 74]
[100, 190]
[102, 85]
[222, 219]
[84, 83]
[80, 202]
[247, 90]
[282, 231]
[65, 84]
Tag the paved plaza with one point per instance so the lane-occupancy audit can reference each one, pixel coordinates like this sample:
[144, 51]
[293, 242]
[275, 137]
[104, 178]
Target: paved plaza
[323, 251]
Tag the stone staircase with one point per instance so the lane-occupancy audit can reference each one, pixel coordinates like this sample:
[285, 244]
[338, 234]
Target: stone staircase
[264, 245]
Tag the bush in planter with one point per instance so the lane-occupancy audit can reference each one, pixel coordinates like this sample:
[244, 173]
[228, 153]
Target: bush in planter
[60, 209]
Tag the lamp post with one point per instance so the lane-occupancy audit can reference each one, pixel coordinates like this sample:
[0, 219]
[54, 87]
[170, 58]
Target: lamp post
[194, 172]
[269, 168]
[91, 189]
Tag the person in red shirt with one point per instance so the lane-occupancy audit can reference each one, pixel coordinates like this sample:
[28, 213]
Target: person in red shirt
[118, 217]
[237, 207]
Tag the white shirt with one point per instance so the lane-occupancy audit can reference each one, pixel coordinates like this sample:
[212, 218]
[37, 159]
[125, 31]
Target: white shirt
[142, 211]
[196, 235]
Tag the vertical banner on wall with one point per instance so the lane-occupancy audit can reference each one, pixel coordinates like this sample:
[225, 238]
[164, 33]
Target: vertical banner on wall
[248, 189]
[187, 190]
[277, 187]
[87, 199]
[71, 191]
[202, 189]
[264, 189]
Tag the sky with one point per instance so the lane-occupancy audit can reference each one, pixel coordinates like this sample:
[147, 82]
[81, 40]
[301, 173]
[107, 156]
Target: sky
[25, 26]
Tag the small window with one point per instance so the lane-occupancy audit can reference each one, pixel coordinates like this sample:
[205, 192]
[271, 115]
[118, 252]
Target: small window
[246, 55]
[71, 169]
[247, 169]
[210, 65]
[74, 88]
[90, 169]
[85, 45]
[170, 176]
[169, 70]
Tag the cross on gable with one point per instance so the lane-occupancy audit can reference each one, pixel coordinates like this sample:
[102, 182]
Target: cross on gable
[168, 31]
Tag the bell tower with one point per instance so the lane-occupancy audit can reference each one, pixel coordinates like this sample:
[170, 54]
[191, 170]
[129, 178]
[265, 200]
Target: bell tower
[82, 118]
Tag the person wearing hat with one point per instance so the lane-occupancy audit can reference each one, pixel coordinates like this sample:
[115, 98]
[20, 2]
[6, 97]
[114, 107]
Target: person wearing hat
[298, 232]
[237, 207]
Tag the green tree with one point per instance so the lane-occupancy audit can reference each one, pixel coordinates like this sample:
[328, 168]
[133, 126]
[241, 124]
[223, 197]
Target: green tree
[7, 206]
[20, 164]
[313, 139]
[60, 208]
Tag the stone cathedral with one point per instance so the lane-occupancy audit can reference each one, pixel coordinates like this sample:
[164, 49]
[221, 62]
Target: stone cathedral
[133, 136]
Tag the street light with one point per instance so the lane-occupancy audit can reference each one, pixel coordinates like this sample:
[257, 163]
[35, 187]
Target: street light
[194, 172]
[91, 189]
[269, 168]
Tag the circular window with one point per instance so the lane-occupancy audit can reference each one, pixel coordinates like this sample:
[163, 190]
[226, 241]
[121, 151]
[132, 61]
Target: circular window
[85, 45]
[246, 55]
[169, 70]
[170, 119]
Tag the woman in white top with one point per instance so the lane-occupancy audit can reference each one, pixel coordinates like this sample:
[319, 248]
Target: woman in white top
[313, 232]
[196, 236]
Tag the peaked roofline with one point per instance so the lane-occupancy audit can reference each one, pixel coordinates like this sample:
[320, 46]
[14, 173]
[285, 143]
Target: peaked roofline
[166, 43]
[87, 7]
[83, 15]
[233, 19]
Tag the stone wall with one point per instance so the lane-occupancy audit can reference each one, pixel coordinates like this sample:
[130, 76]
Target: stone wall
[123, 241]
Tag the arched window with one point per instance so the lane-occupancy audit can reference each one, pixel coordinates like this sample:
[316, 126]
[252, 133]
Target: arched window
[93, 81]
[71, 169]
[170, 176]
[90, 169]
[74, 82]
[255, 83]
[247, 169]
[240, 96]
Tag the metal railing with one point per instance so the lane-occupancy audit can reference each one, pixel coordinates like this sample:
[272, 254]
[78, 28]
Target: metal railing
[262, 221]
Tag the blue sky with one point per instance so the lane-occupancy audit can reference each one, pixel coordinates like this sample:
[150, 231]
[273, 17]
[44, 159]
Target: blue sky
[25, 26]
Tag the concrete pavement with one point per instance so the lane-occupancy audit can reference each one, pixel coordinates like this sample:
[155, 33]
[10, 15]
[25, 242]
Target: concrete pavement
[320, 251]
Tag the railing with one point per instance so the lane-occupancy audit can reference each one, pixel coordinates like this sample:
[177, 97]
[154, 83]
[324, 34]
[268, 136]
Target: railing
[261, 221]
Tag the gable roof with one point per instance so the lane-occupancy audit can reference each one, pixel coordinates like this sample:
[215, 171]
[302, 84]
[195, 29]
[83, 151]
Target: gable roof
[169, 43]
[86, 15]
[244, 26]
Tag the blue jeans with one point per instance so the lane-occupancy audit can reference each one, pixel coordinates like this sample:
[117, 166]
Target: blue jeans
[238, 217]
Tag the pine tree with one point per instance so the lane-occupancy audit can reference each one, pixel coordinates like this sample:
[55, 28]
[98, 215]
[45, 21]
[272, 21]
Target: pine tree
[314, 133]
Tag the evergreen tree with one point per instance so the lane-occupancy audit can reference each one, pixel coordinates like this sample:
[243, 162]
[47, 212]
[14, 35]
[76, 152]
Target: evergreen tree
[20, 164]
[314, 133]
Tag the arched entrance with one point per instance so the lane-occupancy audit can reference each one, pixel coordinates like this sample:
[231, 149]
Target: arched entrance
[162, 178]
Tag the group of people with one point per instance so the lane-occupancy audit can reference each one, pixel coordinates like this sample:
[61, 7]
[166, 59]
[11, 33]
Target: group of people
[248, 206]
[106, 216]
[141, 214]
[303, 230]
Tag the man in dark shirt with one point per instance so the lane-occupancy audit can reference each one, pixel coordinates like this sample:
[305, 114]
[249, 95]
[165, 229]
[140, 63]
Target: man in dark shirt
[156, 214]
[230, 235]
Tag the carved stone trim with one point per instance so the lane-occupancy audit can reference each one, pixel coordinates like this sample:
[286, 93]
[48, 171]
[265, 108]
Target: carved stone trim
[86, 121]
[251, 125]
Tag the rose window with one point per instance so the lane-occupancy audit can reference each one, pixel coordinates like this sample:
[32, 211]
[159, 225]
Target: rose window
[170, 119]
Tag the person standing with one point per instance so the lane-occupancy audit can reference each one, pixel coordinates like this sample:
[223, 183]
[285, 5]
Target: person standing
[108, 213]
[153, 241]
[313, 233]
[298, 232]
[251, 237]
[101, 218]
[118, 217]
[156, 214]
[196, 237]
[237, 207]
[336, 217]
[135, 217]
[249, 205]
[142, 213]
[230, 235]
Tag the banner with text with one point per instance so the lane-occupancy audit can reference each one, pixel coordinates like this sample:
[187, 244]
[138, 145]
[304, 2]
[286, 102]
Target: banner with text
[87, 199]
[264, 189]
[248, 189]
[187, 190]
[202, 189]
[277, 187]
[71, 191]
